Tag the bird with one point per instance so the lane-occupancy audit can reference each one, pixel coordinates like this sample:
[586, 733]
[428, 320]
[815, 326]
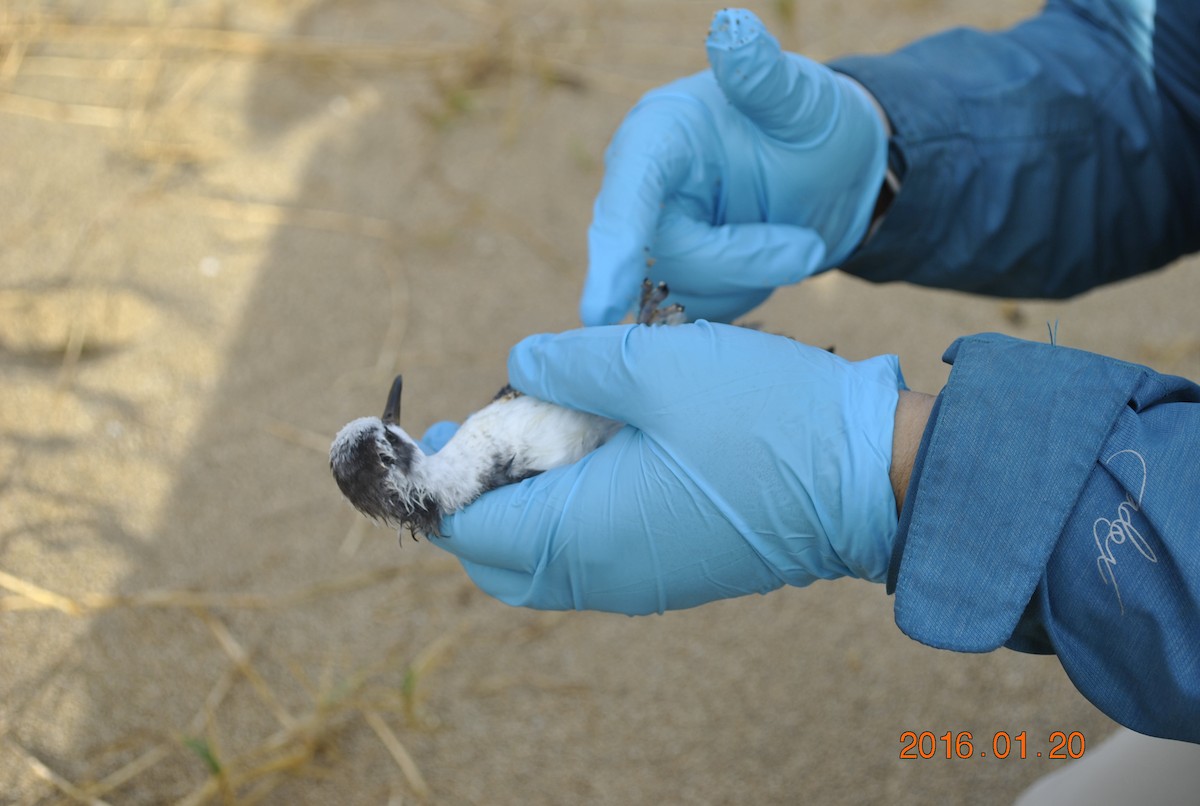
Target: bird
[386, 475]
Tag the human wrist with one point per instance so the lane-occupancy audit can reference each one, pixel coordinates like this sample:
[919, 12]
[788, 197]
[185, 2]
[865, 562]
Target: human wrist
[912, 415]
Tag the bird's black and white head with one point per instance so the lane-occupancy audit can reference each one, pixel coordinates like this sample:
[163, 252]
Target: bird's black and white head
[377, 467]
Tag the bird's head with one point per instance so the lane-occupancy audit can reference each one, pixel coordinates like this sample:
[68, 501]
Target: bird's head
[372, 462]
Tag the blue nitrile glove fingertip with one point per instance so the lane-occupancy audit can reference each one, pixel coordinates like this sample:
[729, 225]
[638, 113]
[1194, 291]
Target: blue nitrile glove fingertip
[526, 365]
[733, 28]
[746, 61]
[580, 369]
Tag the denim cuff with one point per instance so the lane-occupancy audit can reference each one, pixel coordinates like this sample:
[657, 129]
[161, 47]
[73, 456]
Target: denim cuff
[1017, 432]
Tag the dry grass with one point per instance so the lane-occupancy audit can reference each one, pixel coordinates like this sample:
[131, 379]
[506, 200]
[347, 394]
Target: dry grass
[29, 596]
[133, 62]
[250, 776]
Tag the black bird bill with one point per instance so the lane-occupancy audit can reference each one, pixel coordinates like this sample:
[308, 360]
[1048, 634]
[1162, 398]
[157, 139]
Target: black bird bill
[391, 412]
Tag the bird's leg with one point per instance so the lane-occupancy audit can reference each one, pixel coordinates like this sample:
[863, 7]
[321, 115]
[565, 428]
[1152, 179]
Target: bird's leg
[648, 311]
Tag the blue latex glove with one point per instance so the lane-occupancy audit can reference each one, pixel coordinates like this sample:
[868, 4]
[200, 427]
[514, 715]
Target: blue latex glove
[750, 461]
[757, 173]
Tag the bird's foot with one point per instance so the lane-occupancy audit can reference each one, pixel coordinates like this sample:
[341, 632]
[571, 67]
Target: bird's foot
[649, 312]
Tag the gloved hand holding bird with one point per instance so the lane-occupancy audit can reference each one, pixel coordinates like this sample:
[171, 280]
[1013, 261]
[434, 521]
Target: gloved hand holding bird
[638, 469]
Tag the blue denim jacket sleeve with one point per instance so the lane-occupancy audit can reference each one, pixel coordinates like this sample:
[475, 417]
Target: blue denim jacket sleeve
[1043, 160]
[1055, 508]
[1055, 501]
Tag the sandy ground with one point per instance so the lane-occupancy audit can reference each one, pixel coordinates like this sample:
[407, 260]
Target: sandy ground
[226, 225]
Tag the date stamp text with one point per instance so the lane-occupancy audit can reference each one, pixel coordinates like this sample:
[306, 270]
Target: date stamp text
[1001, 744]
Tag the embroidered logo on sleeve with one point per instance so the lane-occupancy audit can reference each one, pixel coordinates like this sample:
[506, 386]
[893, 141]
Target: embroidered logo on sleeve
[1120, 529]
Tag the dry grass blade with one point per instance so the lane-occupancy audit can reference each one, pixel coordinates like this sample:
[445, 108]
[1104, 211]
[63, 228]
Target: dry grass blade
[81, 68]
[38, 596]
[340, 586]
[244, 44]
[285, 751]
[158, 753]
[41, 770]
[12, 61]
[127, 773]
[425, 661]
[290, 759]
[41, 599]
[241, 659]
[399, 754]
[257, 773]
[277, 215]
[105, 117]
[289, 749]
[34, 597]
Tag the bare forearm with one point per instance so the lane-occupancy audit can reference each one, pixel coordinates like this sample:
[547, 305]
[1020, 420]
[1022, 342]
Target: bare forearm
[912, 413]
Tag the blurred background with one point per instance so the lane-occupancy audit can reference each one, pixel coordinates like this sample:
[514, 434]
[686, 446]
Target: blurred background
[226, 225]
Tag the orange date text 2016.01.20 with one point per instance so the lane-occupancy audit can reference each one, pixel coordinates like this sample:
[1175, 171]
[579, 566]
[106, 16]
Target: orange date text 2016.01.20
[1001, 744]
